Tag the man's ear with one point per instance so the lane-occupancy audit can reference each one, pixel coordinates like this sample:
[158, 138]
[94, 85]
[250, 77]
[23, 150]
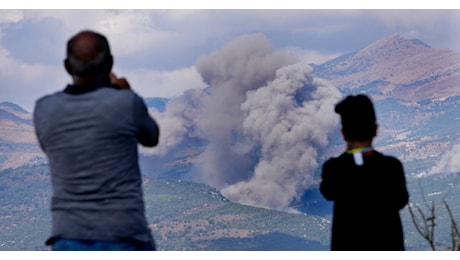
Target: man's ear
[67, 67]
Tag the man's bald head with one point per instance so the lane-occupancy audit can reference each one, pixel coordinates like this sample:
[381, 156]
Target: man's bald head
[88, 55]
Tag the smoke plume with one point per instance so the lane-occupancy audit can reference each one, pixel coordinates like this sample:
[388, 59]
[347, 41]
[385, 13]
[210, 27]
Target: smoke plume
[264, 116]
[289, 118]
[178, 122]
[450, 161]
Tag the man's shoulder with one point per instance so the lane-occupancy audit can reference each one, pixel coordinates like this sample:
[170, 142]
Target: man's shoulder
[385, 161]
[103, 96]
[386, 157]
[48, 98]
[117, 93]
[335, 159]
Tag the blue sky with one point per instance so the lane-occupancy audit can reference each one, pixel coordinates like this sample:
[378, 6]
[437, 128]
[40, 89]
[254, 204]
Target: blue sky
[156, 49]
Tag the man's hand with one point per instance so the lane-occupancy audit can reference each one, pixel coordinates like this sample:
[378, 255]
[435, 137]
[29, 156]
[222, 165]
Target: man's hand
[121, 82]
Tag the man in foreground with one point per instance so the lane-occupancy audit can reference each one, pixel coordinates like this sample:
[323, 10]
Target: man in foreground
[90, 133]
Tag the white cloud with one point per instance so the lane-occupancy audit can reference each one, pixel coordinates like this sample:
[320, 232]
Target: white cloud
[149, 83]
[10, 16]
[23, 83]
[147, 43]
[414, 18]
[129, 31]
[133, 31]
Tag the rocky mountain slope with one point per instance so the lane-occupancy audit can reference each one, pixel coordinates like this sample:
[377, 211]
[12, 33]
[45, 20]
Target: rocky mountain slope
[395, 67]
[18, 144]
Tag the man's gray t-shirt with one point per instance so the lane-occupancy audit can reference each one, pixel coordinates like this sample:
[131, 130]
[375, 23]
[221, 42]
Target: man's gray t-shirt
[91, 141]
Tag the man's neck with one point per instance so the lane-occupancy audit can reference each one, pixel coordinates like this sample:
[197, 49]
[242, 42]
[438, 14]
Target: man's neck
[358, 144]
[82, 80]
[85, 85]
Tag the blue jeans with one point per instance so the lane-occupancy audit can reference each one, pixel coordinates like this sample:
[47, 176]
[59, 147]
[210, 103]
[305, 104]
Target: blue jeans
[95, 245]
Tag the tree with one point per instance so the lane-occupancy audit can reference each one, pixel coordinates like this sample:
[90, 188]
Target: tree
[425, 224]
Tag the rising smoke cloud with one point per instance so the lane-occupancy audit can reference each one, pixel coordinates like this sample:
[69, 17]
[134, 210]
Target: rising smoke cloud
[244, 64]
[449, 162]
[264, 116]
[179, 121]
[290, 118]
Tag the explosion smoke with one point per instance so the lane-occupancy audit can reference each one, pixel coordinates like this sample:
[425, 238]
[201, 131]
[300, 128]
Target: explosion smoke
[289, 130]
[264, 117]
[178, 122]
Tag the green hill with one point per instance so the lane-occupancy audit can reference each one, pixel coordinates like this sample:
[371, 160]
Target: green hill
[190, 216]
[183, 216]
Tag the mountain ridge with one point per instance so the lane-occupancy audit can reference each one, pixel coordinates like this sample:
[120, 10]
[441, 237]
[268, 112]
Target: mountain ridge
[396, 67]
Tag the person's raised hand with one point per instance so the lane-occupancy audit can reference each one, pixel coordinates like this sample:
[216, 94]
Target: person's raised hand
[121, 82]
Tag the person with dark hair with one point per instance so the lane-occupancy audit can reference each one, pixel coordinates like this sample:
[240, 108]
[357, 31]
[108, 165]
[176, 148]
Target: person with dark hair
[90, 133]
[367, 187]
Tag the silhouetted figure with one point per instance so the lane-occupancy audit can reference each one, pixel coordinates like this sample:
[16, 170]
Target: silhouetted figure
[90, 133]
[367, 187]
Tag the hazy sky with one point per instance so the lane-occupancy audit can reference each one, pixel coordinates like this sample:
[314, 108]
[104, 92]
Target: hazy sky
[156, 49]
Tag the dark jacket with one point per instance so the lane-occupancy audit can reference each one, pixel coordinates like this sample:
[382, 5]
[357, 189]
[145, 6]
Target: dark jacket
[90, 134]
[367, 200]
